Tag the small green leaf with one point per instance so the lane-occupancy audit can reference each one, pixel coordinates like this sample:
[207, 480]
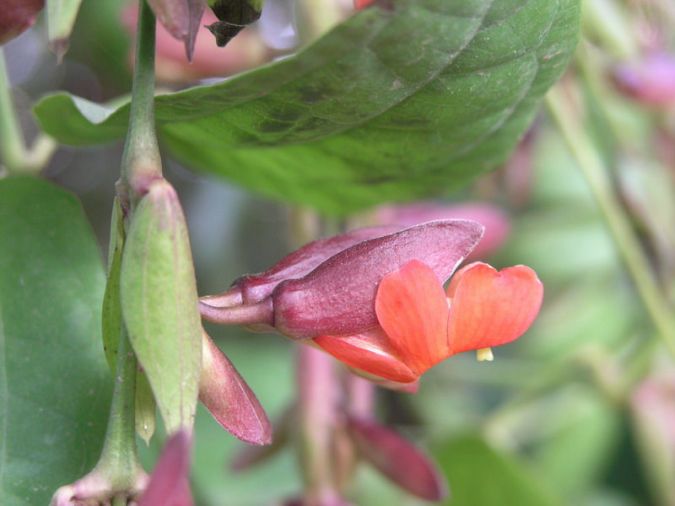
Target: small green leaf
[54, 384]
[393, 104]
[111, 321]
[159, 304]
[479, 475]
[112, 326]
[61, 16]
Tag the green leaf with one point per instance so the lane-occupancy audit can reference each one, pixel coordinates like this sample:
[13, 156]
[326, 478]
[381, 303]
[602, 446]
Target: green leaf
[479, 475]
[61, 16]
[111, 321]
[159, 304]
[112, 326]
[583, 420]
[391, 105]
[54, 384]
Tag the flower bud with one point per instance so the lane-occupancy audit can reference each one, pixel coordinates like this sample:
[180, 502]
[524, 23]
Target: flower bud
[254, 288]
[234, 15]
[181, 18]
[338, 297]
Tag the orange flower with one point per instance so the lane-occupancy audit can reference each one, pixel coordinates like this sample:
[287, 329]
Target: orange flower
[420, 326]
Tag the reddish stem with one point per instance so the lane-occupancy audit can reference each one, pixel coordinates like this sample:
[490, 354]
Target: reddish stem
[230, 298]
[261, 313]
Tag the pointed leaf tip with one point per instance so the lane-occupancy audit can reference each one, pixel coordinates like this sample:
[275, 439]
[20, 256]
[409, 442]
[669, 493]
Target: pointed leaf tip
[229, 399]
[397, 459]
[61, 16]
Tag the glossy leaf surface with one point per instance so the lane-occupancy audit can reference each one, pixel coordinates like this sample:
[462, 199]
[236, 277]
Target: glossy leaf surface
[54, 383]
[393, 104]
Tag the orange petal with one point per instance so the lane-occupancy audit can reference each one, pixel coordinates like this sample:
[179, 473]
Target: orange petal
[369, 352]
[412, 309]
[491, 308]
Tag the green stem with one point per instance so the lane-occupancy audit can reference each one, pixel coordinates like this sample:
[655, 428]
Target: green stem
[141, 162]
[593, 170]
[15, 156]
[11, 137]
[119, 459]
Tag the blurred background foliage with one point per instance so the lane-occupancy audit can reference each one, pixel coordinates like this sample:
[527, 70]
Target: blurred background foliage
[580, 411]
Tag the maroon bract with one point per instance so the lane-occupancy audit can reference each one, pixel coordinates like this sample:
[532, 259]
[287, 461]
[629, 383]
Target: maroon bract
[254, 288]
[493, 218]
[181, 18]
[229, 399]
[338, 297]
[168, 485]
[397, 459]
[16, 16]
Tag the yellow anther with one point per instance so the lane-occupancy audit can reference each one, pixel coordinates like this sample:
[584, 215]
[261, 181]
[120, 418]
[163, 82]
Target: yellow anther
[484, 354]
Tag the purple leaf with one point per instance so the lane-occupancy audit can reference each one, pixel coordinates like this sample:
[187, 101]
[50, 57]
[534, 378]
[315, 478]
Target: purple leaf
[229, 399]
[397, 459]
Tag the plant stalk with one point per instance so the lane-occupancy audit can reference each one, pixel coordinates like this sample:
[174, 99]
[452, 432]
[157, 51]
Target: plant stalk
[14, 155]
[318, 391]
[119, 459]
[141, 161]
[594, 172]
[11, 136]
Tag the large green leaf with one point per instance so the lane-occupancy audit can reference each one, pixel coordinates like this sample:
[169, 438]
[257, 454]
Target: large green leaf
[393, 104]
[480, 475]
[54, 383]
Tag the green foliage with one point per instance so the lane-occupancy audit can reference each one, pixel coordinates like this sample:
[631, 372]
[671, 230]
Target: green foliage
[478, 474]
[159, 304]
[111, 320]
[54, 384]
[391, 105]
